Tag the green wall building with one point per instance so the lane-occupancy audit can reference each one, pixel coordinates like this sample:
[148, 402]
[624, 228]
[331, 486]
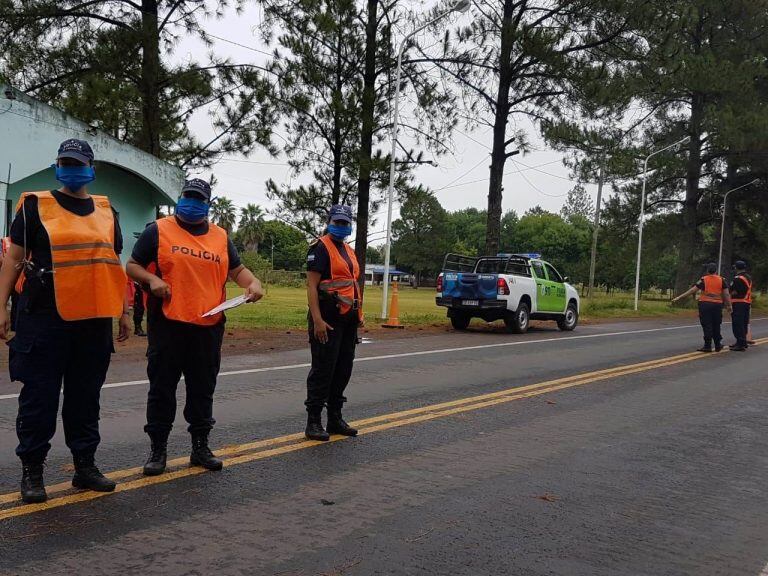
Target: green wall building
[136, 183]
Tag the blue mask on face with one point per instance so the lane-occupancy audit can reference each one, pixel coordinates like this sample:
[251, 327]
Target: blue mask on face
[339, 232]
[75, 177]
[192, 209]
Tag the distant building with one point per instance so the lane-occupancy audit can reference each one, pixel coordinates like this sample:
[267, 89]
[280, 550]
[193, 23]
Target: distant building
[374, 275]
[136, 182]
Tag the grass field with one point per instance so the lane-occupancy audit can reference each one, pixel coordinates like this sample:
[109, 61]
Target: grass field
[287, 308]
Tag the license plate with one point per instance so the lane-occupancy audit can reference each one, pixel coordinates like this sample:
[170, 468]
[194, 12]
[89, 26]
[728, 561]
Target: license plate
[470, 302]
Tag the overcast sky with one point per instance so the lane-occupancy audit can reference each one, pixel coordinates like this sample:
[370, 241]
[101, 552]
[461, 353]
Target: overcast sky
[460, 180]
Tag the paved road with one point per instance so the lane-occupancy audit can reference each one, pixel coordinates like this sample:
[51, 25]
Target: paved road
[611, 450]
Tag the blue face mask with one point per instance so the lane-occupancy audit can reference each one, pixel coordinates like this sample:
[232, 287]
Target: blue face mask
[192, 210]
[339, 232]
[75, 177]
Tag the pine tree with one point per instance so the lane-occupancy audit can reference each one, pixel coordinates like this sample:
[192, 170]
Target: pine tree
[532, 58]
[108, 62]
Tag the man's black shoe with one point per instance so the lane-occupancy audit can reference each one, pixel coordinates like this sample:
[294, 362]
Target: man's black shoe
[337, 425]
[87, 476]
[32, 486]
[315, 430]
[138, 330]
[156, 462]
[202, 455]
[737, 348]
[718, 348]
[704, 349]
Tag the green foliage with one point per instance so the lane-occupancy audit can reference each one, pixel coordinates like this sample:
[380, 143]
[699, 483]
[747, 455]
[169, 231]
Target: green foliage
[290, 245]
[255, 262]
[250, 229]
[112, 64]
[564, 244]
[421, 233]
[223, 212]
[578, 204]
[374, 255]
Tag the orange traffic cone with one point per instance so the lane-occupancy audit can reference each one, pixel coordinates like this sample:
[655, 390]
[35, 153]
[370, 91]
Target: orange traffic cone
[394, 311]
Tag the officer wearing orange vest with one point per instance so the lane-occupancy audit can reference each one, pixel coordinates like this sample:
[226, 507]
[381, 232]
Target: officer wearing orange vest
[66, 242]
[713, 296]
[335, 312]
[741, 298]
[184, 261]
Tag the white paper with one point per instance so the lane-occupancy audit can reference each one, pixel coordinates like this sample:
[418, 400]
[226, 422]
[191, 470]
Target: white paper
[231, 303]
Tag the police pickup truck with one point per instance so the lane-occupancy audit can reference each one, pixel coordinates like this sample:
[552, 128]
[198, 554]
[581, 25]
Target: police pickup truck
[516, 288]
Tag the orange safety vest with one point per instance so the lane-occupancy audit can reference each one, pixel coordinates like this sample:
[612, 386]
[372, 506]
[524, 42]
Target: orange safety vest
[88, 278]
[196, 269]
[343, 284]
[713, 289]
[748, 296]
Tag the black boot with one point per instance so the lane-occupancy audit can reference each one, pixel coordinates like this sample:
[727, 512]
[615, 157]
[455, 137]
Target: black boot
[88, 476]
[32, 486]
[315, 430]
[138, 330]
[155, 464]
[202, 455]
[337, 425]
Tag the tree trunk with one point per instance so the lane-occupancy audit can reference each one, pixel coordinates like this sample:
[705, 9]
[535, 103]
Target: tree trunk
[149, 137]
[499, 151]
[686, 266]
[366, 139]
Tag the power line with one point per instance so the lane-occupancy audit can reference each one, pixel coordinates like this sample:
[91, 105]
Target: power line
[240, 45]
[543, 172]
[254, 162]
[462, 176]
[532, 185]
[505, 174]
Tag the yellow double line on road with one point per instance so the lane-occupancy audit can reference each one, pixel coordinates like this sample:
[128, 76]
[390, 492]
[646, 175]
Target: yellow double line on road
[259, 450]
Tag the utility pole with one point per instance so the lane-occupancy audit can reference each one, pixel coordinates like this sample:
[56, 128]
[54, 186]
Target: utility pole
[596, 227]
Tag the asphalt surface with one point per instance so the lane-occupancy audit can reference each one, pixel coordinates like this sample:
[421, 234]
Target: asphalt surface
[658, 467]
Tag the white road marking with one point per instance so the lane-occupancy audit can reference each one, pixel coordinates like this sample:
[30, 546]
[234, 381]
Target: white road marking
[419, 353]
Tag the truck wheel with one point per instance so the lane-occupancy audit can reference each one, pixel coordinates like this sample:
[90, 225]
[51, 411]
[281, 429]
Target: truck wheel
[518, 321]
[570, 319]
[460, 321]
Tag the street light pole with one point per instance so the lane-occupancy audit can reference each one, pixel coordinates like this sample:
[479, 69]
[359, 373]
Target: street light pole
[459, 6]
[722, 224]
[642, 213]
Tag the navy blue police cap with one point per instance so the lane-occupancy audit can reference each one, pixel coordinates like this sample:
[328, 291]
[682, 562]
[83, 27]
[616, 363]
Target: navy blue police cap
[76, 149]
[340, 212]
[740, 265]
[197, 186]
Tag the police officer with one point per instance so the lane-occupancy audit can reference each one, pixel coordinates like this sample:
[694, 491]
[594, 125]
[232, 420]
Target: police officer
[66, 242]
[714, 295]
[741, 299]
[335, 312]
[184, 261]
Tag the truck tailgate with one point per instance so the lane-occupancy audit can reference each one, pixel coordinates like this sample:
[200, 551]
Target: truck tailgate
[470, 286]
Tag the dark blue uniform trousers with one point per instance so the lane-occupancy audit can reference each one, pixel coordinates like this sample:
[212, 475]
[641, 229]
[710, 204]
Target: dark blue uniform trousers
[331, 364]
[711, 318]
[740, 319]
[177, 349]
[45, 354]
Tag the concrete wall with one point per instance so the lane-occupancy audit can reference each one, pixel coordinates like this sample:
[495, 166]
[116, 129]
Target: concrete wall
[30, 133]
[130, 195]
